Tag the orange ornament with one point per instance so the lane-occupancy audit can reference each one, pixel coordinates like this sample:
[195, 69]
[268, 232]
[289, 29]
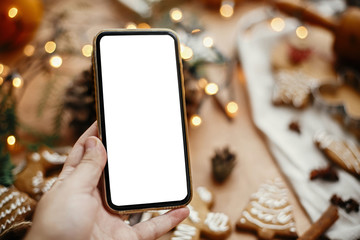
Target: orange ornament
[19, 20]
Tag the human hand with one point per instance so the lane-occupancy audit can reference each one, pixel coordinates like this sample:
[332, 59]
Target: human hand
[73, 208]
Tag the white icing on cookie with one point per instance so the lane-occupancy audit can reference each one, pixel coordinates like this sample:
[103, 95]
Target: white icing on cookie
[13, 206]
[3, 190]
[184, 232]
[194, 215]
[7, 198]
[48, 184]
[205, 194]
[35, 157]
[217, 222]
[37, 181]
[261, 224]
[54, 157]
[11, 219]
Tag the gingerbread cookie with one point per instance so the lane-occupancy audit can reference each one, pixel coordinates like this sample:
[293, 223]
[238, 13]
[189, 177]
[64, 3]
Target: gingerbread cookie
[33, 179]
[15, 207]
[269, 213]
[344, 153]
[202, 222]
[341, 101]
[292, 87]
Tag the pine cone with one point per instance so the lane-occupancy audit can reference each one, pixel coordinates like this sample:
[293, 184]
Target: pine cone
[80, 102]
[222, 164]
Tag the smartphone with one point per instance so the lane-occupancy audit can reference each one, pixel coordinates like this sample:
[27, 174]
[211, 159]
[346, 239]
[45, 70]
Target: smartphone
[142, 119]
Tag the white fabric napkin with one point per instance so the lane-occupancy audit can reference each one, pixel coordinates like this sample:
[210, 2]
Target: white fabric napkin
[295, 153]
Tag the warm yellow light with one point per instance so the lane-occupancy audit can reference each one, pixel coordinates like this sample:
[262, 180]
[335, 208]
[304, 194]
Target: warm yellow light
[13, 12]
[29, 50]
[87, 50]
[55, 61]
[302, 32]
[11, 140]
[208, 42]
[4, 70]
[202, 82]
[176, 15]
[130, 25]
[226, 10]
[211, 88]
[277, 24]
[186, 52]
[232, 108]
[50, 47]
[143, 25]
[1, 81]
[195, 120]
[197, 30]
[17, 82]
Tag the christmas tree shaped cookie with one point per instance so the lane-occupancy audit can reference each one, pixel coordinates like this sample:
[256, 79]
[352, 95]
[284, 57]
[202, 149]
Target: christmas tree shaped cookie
[269, 213]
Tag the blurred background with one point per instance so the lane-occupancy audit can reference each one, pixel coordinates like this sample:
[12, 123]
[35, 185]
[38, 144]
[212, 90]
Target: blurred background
[263, 79]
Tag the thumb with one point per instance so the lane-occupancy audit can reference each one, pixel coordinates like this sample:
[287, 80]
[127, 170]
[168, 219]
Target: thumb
[87, 174]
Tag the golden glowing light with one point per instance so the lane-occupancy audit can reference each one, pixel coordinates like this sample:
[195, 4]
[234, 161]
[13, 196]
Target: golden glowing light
[50, 47]
[55, 61]
[195, 120]
[143, 25]
[29, 50]
[197, 30]
[130, 25]
[302, 32]
[176, 15]
[226, 10]
[232, 108]
[186, 52]
[1, 81]
[17, 82]
[202, 82]
[277, 24]
[211, 88]
[208, 42]
[13, 12]
[11, 140]
[4, 70]
[87, 50]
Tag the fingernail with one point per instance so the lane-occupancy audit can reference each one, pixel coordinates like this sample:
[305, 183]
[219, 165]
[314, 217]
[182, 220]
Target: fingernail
[90, 143]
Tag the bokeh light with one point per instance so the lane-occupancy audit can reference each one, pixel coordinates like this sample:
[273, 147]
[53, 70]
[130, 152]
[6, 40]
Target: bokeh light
[55, 61]
[277, 24]
[195, 120]
[12, 12]
[176, 15]
[50, 47]
[302, 32]
[211, 88]
[87, 50]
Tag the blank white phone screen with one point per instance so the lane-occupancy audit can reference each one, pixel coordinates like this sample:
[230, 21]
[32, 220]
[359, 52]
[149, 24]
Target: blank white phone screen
[144, 133]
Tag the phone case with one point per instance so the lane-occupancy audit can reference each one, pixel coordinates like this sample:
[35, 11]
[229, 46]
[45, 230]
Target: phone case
[98, 88]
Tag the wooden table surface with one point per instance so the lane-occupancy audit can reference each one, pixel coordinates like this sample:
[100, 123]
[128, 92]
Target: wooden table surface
[254, 165]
